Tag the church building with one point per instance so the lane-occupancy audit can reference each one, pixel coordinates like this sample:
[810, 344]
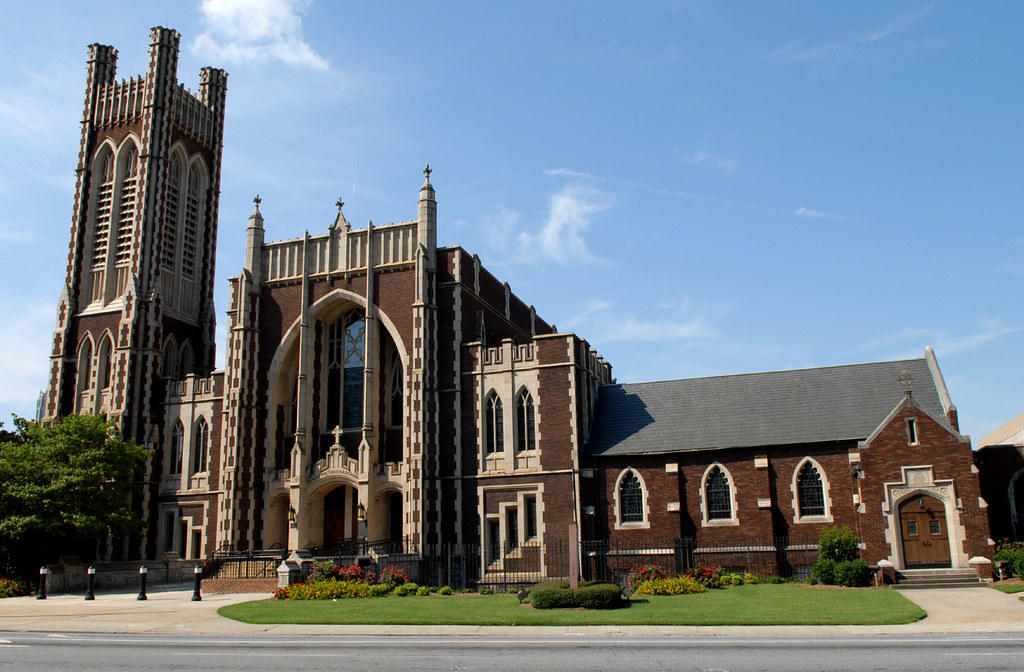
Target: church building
[382, 389]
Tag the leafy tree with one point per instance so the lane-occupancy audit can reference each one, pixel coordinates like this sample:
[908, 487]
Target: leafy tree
[75, 475]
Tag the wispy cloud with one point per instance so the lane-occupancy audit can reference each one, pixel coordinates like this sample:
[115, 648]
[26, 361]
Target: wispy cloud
[910, 342]
[255, 31]
[570, 211]
[817, 214]
[24, 356]
[701, 157]
[605, 323]
[853, 47]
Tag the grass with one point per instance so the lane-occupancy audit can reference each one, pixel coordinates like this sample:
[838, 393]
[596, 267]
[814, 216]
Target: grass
[741, 605]
[1010, 589]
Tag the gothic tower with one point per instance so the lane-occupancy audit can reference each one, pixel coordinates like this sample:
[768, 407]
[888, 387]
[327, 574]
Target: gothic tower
[137, 303]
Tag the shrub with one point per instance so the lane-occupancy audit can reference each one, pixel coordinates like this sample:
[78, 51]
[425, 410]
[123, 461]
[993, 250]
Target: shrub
[13, 588]
[405, 589]
[732, 580]
[393, 576]
[379, 589]
[824, 572]
[423, 591]
[708, 576]
[487, 591]
[1011, 553]
[853, 573]
[324, 590]
[642, 573]
[328, 571]
[446, 590]
[681, 585]
[558, 595]
[838, 544]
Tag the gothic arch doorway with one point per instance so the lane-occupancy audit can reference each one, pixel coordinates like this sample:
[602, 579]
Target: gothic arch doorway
[923, 530]
[340, 506]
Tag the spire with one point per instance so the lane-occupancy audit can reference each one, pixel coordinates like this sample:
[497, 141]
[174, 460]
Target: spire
[256, 218]
[340, 220]
[427, 187]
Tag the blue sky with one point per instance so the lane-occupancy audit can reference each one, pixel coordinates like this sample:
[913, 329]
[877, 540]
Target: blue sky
[697, 188]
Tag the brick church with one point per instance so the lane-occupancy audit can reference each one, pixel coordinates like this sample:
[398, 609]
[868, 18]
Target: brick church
[380, 388]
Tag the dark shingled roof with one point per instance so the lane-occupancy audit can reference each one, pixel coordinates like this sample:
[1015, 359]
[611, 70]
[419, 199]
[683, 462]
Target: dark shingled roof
[755, 409]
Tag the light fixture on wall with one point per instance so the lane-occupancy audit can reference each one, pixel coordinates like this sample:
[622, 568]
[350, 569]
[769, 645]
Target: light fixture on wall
[361, 512]
[291, 514]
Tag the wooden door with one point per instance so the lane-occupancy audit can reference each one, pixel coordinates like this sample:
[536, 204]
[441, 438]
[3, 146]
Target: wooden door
[923, 527]
[334, 516]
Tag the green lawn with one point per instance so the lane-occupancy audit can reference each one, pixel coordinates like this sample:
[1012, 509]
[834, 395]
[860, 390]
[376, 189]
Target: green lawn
[1010, 589]
[742, 605]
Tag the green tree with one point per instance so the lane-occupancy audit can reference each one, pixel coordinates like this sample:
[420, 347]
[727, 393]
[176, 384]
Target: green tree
[74, 475]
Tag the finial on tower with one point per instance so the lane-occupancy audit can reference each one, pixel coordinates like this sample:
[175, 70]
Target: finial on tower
[427, 171]
[340, 204]
[257, 201]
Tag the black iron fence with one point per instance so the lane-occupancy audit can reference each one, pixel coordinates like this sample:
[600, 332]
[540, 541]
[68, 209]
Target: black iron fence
[244, 565]
[513, 566]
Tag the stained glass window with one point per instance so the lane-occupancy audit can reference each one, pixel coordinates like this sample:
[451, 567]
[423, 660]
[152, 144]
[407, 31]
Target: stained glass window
[526, 438]
[494, 425]
[631, 499]
[718, 495]
[810, 491]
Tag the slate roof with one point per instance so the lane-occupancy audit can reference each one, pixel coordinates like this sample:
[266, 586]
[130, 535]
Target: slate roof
[756, 409]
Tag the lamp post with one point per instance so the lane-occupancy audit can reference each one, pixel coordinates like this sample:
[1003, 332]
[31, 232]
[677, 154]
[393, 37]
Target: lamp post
[90, 592]
[43, 571]
[143, 571]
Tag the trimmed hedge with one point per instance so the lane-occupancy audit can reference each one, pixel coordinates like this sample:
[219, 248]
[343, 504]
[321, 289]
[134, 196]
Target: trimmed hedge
[558, 595]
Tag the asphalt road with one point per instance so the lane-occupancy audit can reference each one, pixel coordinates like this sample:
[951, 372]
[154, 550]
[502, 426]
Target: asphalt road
[31, 652]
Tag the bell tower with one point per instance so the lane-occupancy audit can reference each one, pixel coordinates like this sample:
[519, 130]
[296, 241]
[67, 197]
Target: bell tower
[136, 308]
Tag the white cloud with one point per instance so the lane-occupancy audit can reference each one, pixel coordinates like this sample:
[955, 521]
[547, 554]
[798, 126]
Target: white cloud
[24, 357]
[569, 216]
[816, 214]
[850, 48]
[943, 342]
[240, 31]
[672, 321]
[702, 158]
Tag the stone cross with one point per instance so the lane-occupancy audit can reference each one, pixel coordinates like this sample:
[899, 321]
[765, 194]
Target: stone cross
[337, 431]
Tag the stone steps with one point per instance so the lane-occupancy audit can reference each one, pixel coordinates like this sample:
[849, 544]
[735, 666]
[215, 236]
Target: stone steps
[938, 578]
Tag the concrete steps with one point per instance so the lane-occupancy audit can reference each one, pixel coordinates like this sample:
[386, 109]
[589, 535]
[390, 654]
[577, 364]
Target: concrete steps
[938, 578]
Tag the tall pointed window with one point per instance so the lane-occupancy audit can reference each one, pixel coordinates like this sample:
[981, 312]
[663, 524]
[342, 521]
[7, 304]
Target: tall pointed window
[126, 206]
[104, 203]
[494, 425]
[84, 378]
[345, 360]
[810, 491]
[104, 364]
[631, 499]
[190, 230]
[718, 495]
[172, 204]
[177, 441]
[201, 447]
[186, 361]
[169, 367]
[526, 431]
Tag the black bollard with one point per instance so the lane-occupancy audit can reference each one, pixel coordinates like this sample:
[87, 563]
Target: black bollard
[90, 593]
[142, 582]
[43, 571]
[198, 574]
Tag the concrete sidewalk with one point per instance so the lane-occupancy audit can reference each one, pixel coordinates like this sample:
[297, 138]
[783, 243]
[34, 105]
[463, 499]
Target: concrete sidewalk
[170, 611]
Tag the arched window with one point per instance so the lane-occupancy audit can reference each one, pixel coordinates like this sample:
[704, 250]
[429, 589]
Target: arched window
[104, 364]
[104, 204]
[718, 495]
[345, 356]
[84, 376]
[172, 209]
[631, 499]
[126, 206]
[526, 431]
[395, 386]
[175, 449]
[186, 362]
[810, 491]
[169, 368]
[200, 447]
[494, 425]
[192, 224]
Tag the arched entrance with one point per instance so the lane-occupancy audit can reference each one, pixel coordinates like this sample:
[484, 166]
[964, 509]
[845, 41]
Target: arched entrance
[923, 531]
[340, 507]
